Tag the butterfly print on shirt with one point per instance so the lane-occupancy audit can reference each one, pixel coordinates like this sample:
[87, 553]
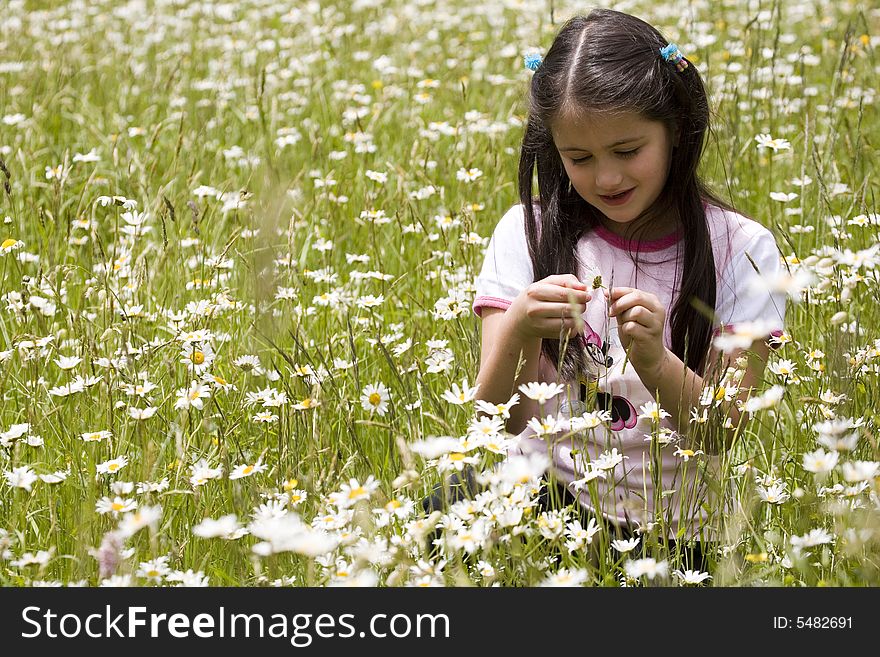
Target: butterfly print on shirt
[623, 413]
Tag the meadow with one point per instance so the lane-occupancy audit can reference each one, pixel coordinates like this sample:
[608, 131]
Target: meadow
[237, 263]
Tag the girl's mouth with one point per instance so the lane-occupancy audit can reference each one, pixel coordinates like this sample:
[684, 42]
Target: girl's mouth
[617, 199]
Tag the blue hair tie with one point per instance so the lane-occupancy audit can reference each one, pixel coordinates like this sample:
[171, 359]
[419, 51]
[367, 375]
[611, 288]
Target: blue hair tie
[671, 53]
[532, 61]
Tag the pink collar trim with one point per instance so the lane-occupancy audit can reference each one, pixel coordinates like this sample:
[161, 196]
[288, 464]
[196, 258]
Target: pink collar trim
[644, 246]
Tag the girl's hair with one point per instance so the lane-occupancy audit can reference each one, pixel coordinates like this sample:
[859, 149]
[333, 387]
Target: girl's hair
[607, 63]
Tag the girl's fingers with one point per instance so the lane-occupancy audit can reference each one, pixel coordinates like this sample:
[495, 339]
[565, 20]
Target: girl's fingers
[565, 280]
[632, 300]
[561, 294]
[638, 315]
[557, 310]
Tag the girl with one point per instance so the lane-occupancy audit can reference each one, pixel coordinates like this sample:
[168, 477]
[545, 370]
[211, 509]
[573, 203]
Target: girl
[634, 264]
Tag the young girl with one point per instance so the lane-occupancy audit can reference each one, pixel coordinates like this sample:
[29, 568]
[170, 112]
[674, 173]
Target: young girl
[627, 257]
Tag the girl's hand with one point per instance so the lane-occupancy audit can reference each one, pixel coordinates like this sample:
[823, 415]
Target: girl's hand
[549, 306]
[640, 322]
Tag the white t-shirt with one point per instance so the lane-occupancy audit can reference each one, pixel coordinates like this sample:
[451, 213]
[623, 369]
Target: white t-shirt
[626, 495]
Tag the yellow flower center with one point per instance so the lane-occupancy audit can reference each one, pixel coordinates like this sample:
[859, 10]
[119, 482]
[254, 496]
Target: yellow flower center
[116, 506]
[113, 467]
[198, 357]
[248, 470]
[290, 484]
[687, 452]
[375, 398]
[220, 380]
[456, 456]
[152, 573]
[7, 243]
[357, 492]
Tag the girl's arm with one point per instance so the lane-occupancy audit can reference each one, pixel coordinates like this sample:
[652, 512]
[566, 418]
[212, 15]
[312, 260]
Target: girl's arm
[542, 310]
[500, 354]
[641, 320]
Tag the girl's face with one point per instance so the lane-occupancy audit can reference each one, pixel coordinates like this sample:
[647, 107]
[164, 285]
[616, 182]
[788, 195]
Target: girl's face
[618, 164]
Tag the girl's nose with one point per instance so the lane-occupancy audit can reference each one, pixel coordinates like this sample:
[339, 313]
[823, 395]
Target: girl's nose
[608, 179]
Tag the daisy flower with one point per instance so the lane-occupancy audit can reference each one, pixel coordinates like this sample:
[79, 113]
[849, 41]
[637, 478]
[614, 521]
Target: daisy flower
[115, 506]
[375, 398]
[485, 427]
[647, 567]
[241, 471]
[776, 493]
[854, 471]
[112, 466]
[223, 527]
[15, 431]
[197, 357]
[9, 245]
[694, 577]
[820, 461]
[435, 446]
[545, 426]
[765, 141]
[455, 461]
[218, 382]
[306, 404]
[96, 436]
[154, 570]
[625, 545]
[468, 175]
[22, 477]
[686, 454]
[609, 460]
[566, 577]
[201, 473]
[652, 411]
[502, 410]
[541, 392]
[354, 491]
[189, 578]
[142, 413]
[55, 477]
[459, 396]
[67, 362]
[249, 363]
[192, 396]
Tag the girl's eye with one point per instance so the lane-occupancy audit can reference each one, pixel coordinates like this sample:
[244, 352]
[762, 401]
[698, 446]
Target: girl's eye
[580, 160]
[631, 153]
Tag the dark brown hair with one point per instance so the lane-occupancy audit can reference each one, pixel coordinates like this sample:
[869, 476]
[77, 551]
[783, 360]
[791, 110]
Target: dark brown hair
[609, 62]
